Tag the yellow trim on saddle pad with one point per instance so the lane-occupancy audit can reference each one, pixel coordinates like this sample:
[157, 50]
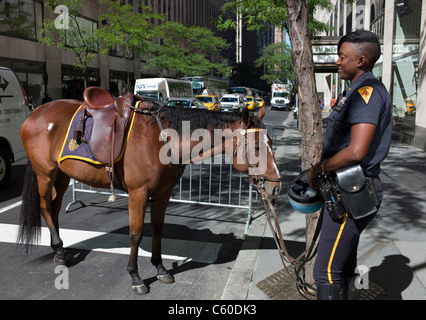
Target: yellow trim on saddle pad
[72, 145]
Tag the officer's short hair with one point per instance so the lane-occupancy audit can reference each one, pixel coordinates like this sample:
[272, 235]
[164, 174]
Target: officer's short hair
[367, 43]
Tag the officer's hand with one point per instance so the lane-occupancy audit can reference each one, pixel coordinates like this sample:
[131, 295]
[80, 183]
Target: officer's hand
[312, 174]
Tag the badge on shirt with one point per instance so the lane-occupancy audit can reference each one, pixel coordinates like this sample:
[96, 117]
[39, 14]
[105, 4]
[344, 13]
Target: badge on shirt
[365, 93]
[339, 105]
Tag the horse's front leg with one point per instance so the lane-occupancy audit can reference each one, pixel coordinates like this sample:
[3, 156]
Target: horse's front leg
[158, 210]
[137, 209]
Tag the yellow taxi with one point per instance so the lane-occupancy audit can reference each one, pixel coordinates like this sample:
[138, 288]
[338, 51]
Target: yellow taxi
[410, 106]
[210, 101]
[251, 103]
[260, 102]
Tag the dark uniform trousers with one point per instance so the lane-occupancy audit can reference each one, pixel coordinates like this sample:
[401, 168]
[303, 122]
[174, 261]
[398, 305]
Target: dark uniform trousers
[338, 245]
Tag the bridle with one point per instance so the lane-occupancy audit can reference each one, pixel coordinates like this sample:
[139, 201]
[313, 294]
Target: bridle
[253, 168]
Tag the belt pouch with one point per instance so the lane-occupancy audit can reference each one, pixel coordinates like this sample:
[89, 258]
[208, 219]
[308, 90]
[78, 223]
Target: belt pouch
[358, 193]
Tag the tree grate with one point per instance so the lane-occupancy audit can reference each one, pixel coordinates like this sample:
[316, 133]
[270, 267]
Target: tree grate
[281, 286]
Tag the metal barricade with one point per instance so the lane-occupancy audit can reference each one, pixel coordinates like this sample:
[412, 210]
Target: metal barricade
[212, 182]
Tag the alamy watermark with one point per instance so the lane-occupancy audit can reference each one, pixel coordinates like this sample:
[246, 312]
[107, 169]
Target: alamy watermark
[62, 21]
[251, 146]
[62, 281]
[362, 281]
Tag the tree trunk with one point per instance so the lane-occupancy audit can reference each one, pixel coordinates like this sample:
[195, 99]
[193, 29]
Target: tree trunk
[310, 119]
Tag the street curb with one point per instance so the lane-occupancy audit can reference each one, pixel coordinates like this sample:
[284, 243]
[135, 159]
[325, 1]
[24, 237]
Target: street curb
[240, 279]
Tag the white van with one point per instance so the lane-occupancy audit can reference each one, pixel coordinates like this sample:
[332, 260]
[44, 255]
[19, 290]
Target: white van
[233, 102]
[163, 88]
[13, 111]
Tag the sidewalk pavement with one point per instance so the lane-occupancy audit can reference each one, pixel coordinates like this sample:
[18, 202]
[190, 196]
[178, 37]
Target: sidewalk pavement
[392, 247]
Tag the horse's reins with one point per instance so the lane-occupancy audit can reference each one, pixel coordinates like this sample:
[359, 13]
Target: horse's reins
[273, 222]
[299, 262]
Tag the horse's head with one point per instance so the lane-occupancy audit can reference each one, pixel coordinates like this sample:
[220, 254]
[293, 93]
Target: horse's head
[252, 153]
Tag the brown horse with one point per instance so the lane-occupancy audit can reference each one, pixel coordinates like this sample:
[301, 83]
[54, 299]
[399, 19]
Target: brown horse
[148, 168]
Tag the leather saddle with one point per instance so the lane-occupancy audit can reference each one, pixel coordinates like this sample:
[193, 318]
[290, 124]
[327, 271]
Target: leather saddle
[110, 119]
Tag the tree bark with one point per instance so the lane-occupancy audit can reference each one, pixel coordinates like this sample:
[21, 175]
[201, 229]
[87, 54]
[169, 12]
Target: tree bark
[310, 118]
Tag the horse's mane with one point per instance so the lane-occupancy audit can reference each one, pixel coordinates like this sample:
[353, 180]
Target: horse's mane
[199, 118]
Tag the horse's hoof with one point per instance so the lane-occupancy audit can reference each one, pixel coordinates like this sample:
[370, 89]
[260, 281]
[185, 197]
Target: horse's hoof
[69, 260]
[140, 289]
[165, 278]
[163, 275]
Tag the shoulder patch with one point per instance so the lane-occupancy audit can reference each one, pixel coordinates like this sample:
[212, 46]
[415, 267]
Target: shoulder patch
[365, 93]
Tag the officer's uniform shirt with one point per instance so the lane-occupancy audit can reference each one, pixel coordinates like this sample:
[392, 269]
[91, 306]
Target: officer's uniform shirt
[365, 101]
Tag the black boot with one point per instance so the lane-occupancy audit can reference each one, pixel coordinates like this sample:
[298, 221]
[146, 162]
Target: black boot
[349, 290]
[329, 291]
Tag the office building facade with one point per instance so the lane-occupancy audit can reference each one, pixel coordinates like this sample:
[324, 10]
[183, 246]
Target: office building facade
[401, 27]
[46, 69]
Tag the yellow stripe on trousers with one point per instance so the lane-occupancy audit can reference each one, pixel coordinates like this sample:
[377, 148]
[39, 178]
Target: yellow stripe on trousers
[335, 246]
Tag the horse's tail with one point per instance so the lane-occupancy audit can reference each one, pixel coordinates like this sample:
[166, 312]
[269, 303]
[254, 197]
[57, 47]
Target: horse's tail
[30, 219]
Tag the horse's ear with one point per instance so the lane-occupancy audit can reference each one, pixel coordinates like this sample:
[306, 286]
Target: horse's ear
[261, 113]
[246, 117]
[135, 97]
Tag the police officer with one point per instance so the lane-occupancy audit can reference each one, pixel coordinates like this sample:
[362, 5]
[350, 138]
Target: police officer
[358, 132]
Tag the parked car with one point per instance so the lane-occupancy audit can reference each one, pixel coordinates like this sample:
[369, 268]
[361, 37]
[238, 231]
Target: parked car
[210, 101]
[260, 102]
[251, 103]
[185, 103]
[13, 112]
[232, 102]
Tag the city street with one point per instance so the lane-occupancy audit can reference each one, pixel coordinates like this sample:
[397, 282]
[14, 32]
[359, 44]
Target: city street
[200, 245]
[364, 71]
[203, 246]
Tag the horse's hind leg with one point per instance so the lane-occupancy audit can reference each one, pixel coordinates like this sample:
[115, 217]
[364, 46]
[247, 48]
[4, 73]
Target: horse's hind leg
[50, 211]
[62, 257]
[158, 210]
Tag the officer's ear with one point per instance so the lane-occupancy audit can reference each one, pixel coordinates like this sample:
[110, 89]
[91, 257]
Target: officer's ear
[362, 62]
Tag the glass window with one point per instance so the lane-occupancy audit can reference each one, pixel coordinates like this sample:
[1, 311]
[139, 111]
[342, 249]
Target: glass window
[205, 99]
[360, 15]
[280, 95]
[228, 99]
[20, 18]
[336, 19]
[348, 18]
[342, 5]
[80, 30]
[33, 85]
[405, 61]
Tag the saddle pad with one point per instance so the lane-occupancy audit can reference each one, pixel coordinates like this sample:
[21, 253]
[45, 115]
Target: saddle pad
[71, 150]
